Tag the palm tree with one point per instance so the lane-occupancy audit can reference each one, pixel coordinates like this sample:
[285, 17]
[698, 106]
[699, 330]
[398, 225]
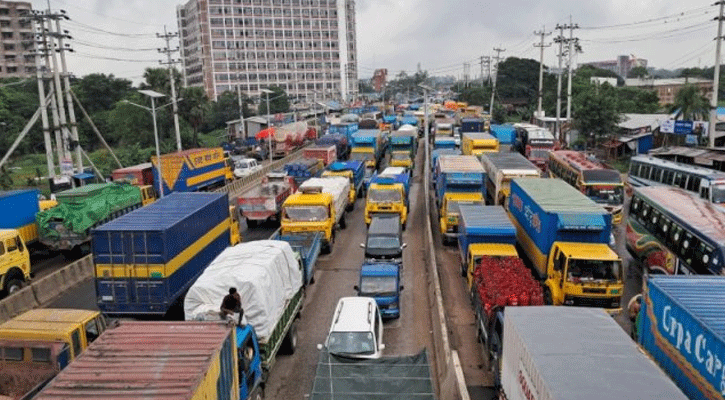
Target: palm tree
[691, 104]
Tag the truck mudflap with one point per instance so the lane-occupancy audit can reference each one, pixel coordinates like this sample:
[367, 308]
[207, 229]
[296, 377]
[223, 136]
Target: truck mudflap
[269, 349]
[387, 377]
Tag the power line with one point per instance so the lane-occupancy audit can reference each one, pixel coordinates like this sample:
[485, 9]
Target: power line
[100, 46]
[85, 10]
[81, 25]
[646, 21]
[86, 55]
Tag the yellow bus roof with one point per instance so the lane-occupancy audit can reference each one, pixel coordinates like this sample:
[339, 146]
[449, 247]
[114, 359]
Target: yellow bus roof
[588, 251]
[56, 315]
[303, 199]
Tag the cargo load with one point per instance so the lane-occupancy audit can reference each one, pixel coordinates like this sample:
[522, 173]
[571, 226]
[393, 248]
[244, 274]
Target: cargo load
[192, 170]
[340, 142]
[327, 154]
[141, 174]
[501, 168]
[19, 208]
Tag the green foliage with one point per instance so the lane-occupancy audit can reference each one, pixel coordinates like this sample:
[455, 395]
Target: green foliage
[691, 103]
[404, 83]
[595, 113]
[637, 72]
[278, 101]
[475, 95]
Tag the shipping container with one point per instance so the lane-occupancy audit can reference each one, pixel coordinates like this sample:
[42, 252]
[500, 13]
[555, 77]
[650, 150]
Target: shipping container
[153, 360]
[506, 134]
[17, 211]
[192, 170]
[555, 353]
[327, 154]
[145, 260]
[682, 327]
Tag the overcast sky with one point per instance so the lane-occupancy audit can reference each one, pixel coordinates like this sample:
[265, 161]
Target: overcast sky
[440, 35]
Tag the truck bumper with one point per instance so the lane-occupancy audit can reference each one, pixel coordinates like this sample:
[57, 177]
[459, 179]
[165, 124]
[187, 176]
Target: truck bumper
[611, 305]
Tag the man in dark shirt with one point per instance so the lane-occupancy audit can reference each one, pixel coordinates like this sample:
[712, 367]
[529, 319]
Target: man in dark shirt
[232, 304]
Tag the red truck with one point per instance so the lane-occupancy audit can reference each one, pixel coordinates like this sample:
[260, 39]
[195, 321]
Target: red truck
[328, 154]
[139, 175]
[264, 201]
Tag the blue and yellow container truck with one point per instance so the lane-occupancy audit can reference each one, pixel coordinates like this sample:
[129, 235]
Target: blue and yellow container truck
[192, 170]
[147, 259]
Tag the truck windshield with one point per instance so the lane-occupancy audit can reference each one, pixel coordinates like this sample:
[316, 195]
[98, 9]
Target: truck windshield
[400, 156]
[718, 194]
[453, 207]
[385, 196]
[383, 242]
[306, 213]
[594, 270]
[612, 195]
[540, 154]
[351, 343]
[378, 286]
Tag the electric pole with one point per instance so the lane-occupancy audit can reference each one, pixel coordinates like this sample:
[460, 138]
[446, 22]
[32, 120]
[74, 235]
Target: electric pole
[572, 41]
[716, 77]
[541, 47]
[560, 40]
[487, 61]
[495, 77]
[37, 18]
[169, 62]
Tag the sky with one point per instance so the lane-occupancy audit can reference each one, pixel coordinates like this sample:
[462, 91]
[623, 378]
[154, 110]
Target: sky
[119, 36]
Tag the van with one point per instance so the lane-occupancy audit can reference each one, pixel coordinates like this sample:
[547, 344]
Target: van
[245, 166]
[356, 330]
[384, 240]
[381, 281]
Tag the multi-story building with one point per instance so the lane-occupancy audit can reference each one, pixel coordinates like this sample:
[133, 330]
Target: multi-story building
[16, 40]
[379, 79]
[621, 66]
[667, 88]
[306, 47]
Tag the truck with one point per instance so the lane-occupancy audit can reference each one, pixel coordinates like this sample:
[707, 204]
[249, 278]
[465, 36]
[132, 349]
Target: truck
[679, 327]
[471, 124]
[478, 143]
[501, 168]
[340, 141]
[307, 245]
[268, 278]
[146, 260]
[19, 210]
[264, 201]
[382, 282]
[445, 142]
[225, 363]
[317, 206]
[484, 231]
[348, 129]
[370, 143]
[458, 179]
[565, 236]
[403, 146]
[575, 353]
[140, 174]
[352, 170]
[505, 134]
[388, 193]
[192, 170]
[535, 143]
[33, 356]
[67, 227]
[444, 126]
[328, 154]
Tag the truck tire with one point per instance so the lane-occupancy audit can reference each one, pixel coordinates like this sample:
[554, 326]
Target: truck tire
[343, 223]
[404, 224]
[251, 223]
[13, 285]
[289, 345]
[548, 299]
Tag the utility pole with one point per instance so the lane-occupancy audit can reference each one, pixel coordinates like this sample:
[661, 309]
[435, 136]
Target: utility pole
[495, 77]
[716, 77]
[169, 62]
[61, 145]
[37, 18]
[484, 60]
[241, 112]
[560, 40]
[541, 46]
[571, 43]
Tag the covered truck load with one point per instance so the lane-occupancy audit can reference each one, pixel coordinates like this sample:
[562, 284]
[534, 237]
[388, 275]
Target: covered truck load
[147, 259]
[69, 223]
[337, 187]
[681, 327]
[19, 208]
[572, 353]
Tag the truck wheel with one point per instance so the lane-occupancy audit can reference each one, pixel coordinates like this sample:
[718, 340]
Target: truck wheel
[12, 286]
[290, 341]
[343, 223]
[464, 269]
[251, 223]
[548, 299]
[404, 223]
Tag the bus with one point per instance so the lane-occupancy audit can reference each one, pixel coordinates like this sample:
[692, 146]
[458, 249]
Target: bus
[534, 143]
[601, 184]
[672, 231]
[501, 168]
[650, 171]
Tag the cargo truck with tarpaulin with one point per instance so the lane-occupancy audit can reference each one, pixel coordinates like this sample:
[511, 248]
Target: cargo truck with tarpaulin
[478, 143]
[146, 260]
[680, 324]
[574, 354]
[264, 201]
[352, 170]
[268, 277]
[340, 141]
[370, 144]
[501, 168]
[566, 236]
[67, 227]
[347, 129]
[458, 178]
[403, 146]
[389, 193]
[318, 206]
[157, 360]
[192, 170]
[472, 125]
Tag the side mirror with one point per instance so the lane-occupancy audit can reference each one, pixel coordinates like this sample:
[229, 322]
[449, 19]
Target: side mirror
[319, 346]
[401, 287]
[382, 346]
[404, 245]
[357, 288]
[362, 245]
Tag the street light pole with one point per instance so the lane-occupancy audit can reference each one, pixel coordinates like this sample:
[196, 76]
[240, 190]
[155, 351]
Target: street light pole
[158, 152]
[269, 123]
[426, 89]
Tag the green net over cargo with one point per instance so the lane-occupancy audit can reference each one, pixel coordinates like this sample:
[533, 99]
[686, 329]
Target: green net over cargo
[81, 208]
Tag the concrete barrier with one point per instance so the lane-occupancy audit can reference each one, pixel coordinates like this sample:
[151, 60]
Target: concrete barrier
[21, 301]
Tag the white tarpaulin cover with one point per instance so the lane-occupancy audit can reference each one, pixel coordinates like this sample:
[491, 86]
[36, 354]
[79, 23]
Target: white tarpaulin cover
[336, 186]
[266, 274]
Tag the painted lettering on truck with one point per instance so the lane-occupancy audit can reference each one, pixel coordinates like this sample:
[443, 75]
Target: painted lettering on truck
[531, 217]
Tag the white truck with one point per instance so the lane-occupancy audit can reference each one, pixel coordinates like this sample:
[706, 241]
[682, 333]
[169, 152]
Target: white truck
[337, 187]
[573, 353]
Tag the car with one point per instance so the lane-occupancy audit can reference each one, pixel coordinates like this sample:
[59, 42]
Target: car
[245, 166]
[356, 330]
[384, 240]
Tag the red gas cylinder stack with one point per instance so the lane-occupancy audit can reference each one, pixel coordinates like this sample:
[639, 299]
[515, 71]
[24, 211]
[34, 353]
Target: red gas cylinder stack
[505, 281]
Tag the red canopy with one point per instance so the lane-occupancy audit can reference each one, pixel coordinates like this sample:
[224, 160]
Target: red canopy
[264, 133]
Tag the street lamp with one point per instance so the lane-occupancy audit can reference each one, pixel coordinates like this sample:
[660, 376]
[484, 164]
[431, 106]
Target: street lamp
[269, 123]
[426, 89]
[153, 95]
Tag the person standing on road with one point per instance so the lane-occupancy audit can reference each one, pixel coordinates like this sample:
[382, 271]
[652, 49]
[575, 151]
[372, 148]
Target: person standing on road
[231, 304]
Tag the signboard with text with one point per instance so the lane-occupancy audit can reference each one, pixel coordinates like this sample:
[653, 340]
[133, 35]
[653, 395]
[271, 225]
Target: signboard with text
[679, 127]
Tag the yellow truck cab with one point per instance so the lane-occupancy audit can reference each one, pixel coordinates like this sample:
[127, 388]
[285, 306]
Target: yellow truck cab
[388, 193]
[477, 251]
[449, 212]
[14, 261]
[352, 195]
[76, 328]
[148, 194]
[477, 143]
[235, 236]
[401, 159]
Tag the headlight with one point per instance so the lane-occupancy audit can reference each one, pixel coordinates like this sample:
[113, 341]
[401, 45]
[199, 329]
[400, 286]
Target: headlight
[568, 302]
[615, 304]
[392, 306]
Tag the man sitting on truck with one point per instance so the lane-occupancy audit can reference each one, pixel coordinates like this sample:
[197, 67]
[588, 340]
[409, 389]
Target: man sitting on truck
[232, 304]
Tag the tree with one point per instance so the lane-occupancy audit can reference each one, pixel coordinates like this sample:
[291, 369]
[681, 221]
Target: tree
[158, 79]
[194, 109]
[691, 103]
[278, 101]
[638, 72]
[595, 113]
[226, 108]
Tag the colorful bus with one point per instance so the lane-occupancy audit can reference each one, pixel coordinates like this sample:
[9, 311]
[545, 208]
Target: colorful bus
[601, 184]
[672, 231]
[534, 143]
[649, 171]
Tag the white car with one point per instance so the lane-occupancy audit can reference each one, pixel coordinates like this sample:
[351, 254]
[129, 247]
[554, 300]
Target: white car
[356, 330]
[245, 166]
